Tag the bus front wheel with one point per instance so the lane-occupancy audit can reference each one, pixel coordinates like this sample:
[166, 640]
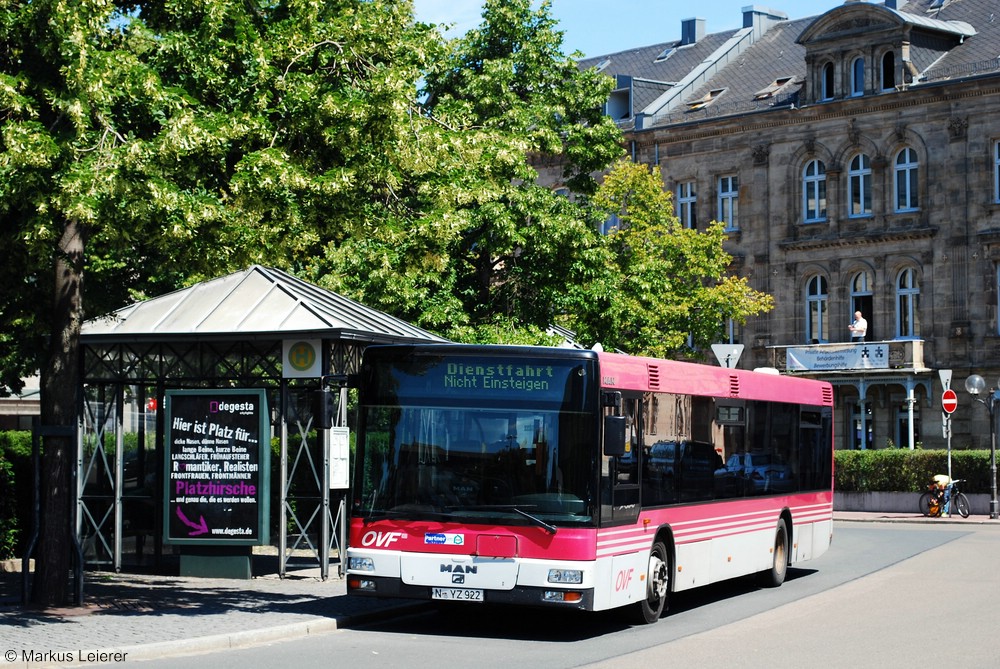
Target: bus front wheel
[651, 608]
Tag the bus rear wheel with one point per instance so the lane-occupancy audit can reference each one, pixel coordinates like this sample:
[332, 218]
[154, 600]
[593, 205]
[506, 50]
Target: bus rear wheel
[775, 576]
[651, 608]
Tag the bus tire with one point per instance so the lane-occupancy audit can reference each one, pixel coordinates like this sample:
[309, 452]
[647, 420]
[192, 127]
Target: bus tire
[652, 607]
[775, 576]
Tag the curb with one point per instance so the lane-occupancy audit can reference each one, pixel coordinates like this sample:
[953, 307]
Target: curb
[159, 650]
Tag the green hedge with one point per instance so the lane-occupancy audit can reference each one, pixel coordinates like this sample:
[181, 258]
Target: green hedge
[15, 491]
[903, 470]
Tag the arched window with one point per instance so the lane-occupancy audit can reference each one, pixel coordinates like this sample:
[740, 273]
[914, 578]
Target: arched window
[857, 77]
[859, 186]
[906, 171]
[861, 299]
[817, 301]
[907, 305]
[814, 192]
[889, 71]
[826, 88]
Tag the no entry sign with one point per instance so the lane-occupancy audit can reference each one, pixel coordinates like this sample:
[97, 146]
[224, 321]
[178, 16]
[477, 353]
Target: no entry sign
[949, 401]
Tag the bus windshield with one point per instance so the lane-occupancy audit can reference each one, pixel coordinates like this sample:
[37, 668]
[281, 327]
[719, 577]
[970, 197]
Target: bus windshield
[506, 440]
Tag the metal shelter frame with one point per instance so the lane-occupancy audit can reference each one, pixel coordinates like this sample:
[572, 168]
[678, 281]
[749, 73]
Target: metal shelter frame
[224, 333]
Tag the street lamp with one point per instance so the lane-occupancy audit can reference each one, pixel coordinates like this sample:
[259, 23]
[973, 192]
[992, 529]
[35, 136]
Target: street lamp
[975, 385]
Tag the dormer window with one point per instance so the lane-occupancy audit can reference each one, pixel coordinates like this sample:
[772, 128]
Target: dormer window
[773, 89]
[706, 100]
[666, 53]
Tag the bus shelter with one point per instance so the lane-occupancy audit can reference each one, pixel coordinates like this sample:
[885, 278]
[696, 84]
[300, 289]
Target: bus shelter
[261, 331]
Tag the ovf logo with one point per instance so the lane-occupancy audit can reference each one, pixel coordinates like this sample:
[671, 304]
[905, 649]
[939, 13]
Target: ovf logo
[301, 358]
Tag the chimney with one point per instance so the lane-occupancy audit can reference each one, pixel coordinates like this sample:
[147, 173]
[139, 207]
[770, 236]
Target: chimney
[761, 18]
[692, 30]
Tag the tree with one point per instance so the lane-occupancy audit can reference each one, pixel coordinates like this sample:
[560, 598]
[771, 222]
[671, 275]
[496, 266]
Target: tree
[488, 252]
[149, 144]
[658, 282]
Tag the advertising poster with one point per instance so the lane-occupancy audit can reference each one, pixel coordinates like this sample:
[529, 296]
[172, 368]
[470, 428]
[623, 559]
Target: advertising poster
[217, 467]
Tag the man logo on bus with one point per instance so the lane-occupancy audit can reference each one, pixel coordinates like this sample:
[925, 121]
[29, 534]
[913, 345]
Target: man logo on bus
[301, 356]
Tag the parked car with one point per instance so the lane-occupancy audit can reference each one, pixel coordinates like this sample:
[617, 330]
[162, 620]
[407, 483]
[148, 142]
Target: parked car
[758, 473]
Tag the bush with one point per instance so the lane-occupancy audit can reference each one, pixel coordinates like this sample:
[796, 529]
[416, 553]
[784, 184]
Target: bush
[903, 470]
[16, 495]
[8, 519]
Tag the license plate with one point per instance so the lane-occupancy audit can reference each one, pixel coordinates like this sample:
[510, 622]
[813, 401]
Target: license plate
[457, 594]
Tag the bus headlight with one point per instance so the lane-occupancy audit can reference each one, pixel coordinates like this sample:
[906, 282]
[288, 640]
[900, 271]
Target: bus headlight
[360, 564]
[566, 576]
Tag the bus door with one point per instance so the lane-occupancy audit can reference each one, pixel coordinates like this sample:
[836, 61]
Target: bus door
[620, 471]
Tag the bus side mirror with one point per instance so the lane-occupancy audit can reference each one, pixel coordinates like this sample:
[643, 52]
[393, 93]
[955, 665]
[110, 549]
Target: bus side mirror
[614, 435]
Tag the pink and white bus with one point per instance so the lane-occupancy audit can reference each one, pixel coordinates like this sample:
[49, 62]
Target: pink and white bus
[573, 478]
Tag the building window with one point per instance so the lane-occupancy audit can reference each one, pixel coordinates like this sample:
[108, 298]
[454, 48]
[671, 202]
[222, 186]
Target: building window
[706, 99]
[903, 423]
[996, 171]
[998, 297]
[729, 202]
[861, 299]
[734, 332]
[889, 71]
[612, 224]
[907, 305]
[687, 204]
[826, 86]
[817, 301]
[857, 77]
[859, 186]
[906, 180]
[862, 429]
[814, 192]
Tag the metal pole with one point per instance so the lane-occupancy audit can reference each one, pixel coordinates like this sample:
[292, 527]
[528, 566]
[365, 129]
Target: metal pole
[993, 458]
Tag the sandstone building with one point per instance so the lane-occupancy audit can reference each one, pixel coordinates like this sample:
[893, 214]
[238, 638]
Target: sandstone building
[855, 160]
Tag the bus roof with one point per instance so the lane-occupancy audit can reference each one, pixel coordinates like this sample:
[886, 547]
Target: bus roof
[626, 372]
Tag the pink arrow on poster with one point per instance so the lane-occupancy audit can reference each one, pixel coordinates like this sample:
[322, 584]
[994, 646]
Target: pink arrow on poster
[199, 528]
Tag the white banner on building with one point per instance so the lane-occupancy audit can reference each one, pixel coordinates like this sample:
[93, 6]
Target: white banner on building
[834, 358]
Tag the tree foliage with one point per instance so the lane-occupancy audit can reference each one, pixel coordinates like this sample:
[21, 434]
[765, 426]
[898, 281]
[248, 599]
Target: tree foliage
[487, 252]
[659, 288]
[147, 145]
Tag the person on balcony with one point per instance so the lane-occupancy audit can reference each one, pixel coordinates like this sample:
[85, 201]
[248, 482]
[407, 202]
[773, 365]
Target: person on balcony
[859, 328]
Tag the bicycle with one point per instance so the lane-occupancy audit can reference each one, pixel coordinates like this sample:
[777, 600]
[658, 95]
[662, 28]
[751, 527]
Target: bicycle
[930, 504]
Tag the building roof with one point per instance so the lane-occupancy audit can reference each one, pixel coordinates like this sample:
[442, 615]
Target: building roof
[258, 301]
[739, 72]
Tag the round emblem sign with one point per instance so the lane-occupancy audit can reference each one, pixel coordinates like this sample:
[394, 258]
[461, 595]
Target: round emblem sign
[949, 401]
[301, 356]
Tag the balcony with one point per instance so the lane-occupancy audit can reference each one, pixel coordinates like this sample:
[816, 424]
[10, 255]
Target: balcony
[903, 355]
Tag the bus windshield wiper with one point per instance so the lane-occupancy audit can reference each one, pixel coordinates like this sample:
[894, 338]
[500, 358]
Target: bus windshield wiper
[551, 529]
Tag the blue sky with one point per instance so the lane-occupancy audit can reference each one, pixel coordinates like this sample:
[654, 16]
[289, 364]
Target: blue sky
[597, 27]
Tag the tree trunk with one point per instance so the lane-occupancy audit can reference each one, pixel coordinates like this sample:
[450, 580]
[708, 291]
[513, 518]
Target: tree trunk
[60, 383]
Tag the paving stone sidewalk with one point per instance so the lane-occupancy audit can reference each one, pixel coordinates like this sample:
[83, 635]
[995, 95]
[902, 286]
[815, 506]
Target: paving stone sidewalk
[149, 616]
